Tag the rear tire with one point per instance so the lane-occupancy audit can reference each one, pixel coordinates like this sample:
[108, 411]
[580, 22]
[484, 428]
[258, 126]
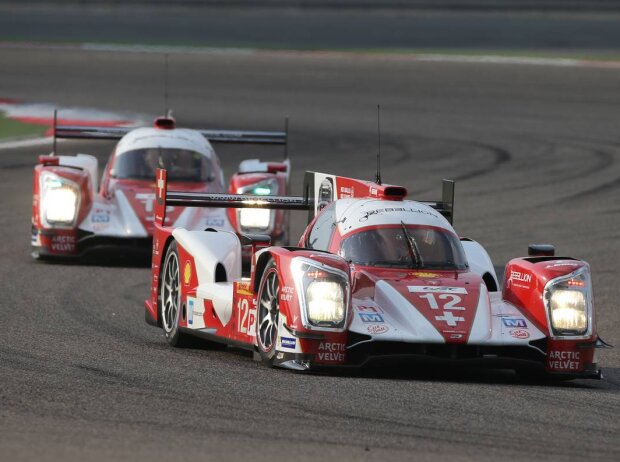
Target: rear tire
[268, 313]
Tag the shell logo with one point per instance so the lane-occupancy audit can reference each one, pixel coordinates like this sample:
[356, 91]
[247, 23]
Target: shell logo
[187, 272]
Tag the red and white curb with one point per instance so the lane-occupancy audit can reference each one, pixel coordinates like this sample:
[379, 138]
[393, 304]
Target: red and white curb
[43, 114]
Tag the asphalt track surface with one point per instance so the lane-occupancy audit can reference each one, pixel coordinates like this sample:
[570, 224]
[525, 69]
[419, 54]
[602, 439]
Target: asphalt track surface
[594, 33]
[535, 151]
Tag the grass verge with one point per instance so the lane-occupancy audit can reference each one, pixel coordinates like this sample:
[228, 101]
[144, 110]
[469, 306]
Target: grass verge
[10, 128]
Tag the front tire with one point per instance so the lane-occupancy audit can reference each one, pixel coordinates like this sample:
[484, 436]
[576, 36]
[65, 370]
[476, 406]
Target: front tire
[170, 298]
[268, 314]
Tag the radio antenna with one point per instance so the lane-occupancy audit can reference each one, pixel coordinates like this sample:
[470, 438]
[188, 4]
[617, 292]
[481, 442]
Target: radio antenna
[286, 138]
[54, 133]
[166, 85]
[378, 177]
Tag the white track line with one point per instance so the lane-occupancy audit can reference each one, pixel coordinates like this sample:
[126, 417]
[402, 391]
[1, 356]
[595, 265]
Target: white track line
[31, 142]
[432, 57]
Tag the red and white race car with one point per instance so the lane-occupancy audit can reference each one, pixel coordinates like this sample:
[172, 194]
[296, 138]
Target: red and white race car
[72, 213]
[374, 279]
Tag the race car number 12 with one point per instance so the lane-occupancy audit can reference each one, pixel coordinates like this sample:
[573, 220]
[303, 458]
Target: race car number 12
[451, 301]
[247, 317]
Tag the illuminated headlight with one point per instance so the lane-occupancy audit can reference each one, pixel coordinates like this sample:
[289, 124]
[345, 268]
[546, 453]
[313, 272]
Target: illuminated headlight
[323, 293]
[325, 302]
[257, 219]
[59, 199]
[568, 301]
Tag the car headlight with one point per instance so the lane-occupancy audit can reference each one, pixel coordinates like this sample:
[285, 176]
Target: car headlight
[568, 302]
[323, 293]
[257, 219]
[59, 199]
[250, 219]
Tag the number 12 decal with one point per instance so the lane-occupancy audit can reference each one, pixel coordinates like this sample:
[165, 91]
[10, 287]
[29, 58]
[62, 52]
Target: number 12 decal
[247, 317]
[449, 301]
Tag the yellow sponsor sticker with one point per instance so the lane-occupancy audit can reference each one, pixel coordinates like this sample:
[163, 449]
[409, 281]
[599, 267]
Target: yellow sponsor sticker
[187, 272]
[421, 274]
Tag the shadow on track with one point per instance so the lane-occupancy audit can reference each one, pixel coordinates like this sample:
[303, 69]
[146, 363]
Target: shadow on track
[116, 258]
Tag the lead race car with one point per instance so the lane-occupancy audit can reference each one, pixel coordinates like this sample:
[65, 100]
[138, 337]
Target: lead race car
[374, 279]
[73, 214]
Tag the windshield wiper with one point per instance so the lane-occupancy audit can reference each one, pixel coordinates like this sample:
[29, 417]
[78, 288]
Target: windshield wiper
[414, 251]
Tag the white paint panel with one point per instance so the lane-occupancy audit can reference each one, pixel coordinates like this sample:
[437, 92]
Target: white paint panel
[481, 327]
[408, 323]
[180, 138]
[131, 225]
[352, 214]
[221, 295]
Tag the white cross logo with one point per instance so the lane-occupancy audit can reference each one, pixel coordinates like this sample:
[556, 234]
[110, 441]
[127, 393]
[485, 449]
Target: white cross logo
[449, 318]
[160, 184]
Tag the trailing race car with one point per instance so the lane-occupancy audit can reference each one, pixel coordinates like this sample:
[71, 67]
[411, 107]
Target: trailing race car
[72, 213]
[374, 279]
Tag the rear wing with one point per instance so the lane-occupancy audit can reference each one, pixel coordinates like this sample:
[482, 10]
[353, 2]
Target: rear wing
[322, 189]
[165, 123]
[166, 198]
[319, 190]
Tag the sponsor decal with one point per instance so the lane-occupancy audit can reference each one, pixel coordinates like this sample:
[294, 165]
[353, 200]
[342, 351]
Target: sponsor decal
[331, 352]
[519, 334]
[564, 360]
[369, 309]
[63, 243]
[371, 317]
[286, 293]
[514, 322]
[370, 213]
[421, 274]
[377, 329]
[187, 272]
[288, 342]
[100, 219]
[519, 279]
[191, 303]
[216, 222]
[36, 240]
[244, 288]
[456, 336]
[442, 289]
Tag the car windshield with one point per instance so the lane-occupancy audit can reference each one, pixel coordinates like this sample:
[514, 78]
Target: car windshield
[181, 164]
[405, 246]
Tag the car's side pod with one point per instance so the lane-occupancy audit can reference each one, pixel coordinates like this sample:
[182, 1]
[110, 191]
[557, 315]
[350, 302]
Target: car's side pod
[555, 295]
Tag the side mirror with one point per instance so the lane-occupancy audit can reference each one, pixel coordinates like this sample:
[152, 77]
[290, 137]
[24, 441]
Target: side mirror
[541, 250]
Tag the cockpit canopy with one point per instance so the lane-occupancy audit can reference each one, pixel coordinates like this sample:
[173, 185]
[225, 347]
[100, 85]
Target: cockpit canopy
[404, 246]
[181, 165]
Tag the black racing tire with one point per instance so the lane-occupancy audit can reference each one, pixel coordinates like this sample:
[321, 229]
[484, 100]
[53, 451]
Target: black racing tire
[268, 313]
[170, 303]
